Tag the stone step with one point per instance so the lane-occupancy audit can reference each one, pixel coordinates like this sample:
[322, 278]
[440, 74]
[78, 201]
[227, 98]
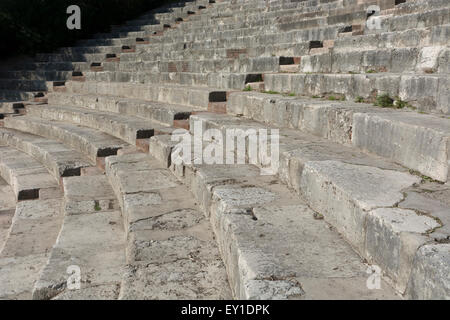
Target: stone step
[253, 16]
[171, 252]
[357, 188]
[416, 141]
[28, 177]
[174, 50]
[429, 18]
[380, 208]
[58, 159]
[269, 238]
[95, 145]
[389, 14]
[261, 64]
[133, 130]
[245, 34]
[282, 49]
[220, 80]
[237, 39]
[356, 16]
[404, 60]
[261, 16]
[162, 112]
[267, 39]
[417, 37]
[90, 244]
[196, 97]
[26, 249]
[426, 92]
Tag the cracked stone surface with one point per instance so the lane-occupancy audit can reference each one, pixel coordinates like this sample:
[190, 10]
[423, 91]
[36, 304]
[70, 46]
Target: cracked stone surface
[359, 186]
[26, 251]
[430, 278]
[171, 251]
[93, 242]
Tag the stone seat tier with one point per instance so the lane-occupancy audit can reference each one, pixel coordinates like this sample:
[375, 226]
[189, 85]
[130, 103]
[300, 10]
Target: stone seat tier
[240, 19]
[266, 258]
[222, 80]
[268, 236]
[426, 92]
[58, 159]
[91, 239]
[270, 37]
[416, 20]
[431, 59]
[320, 170]
[417, 37]
[401, 39]
[129, 129]
[94, 144]
[416, 141]
[164, 113]
[28, 178]
[33, 232]
[195, 97]
[372, 182]
[429, 18]
[154, 54]
[260, 64]
[171, 252]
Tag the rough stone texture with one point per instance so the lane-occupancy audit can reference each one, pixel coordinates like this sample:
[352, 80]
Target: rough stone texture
[347, 161]
[25, 251]
[58, 159]
[171, 252]
[121, 126]
[368, 187]
[18, 275]
[92, 143]
[181, 267]
[393, 236]
[248, 230]
[417, 141]
[93, 242]
[347, 196]
[88, 193]
[25, 174]
[430, 274]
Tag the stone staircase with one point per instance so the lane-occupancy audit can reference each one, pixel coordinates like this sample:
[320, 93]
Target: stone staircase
[90, 182]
